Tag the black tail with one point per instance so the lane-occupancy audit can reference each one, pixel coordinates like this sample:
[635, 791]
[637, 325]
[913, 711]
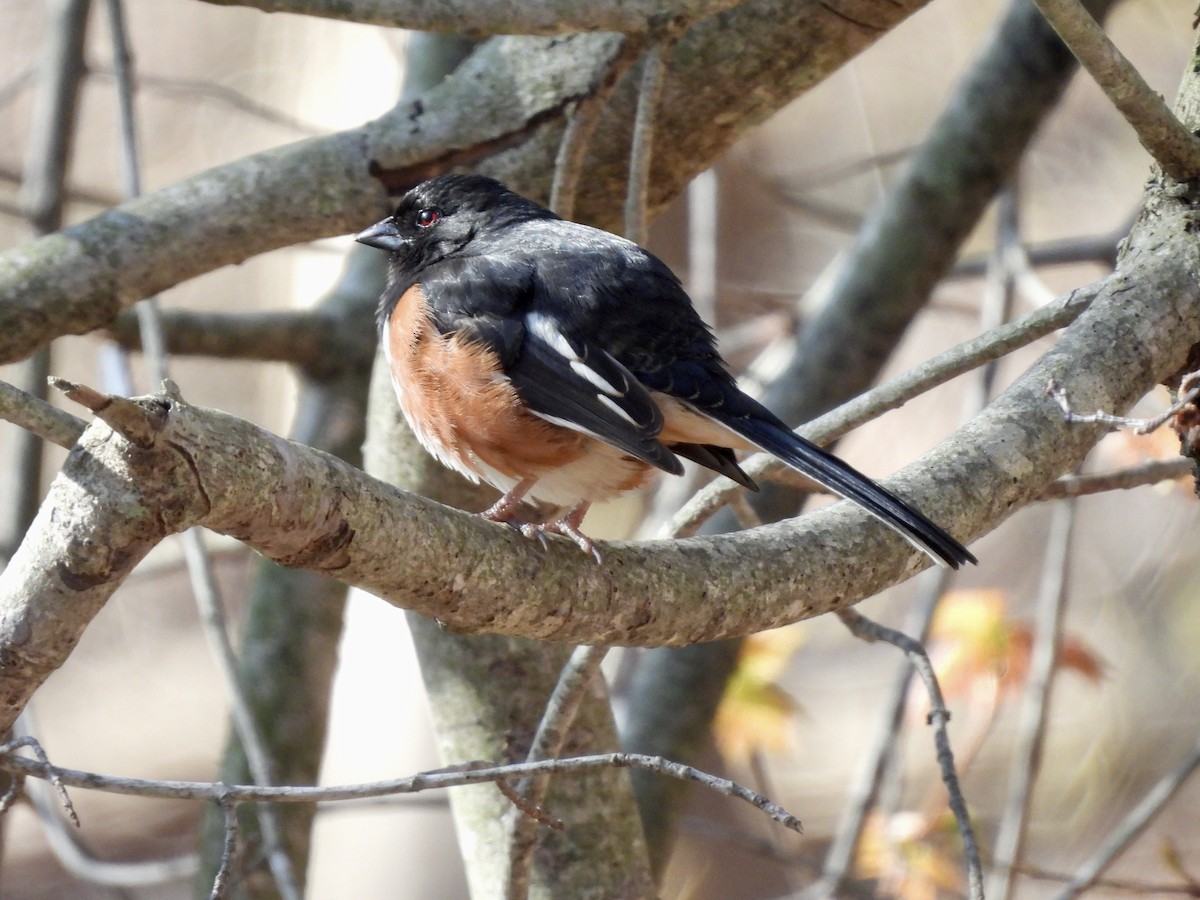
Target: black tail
[810, 460]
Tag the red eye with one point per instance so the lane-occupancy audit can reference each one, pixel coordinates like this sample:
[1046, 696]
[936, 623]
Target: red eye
[427, 217]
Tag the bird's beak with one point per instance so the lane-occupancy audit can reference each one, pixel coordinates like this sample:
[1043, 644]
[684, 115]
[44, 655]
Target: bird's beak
[382, 235]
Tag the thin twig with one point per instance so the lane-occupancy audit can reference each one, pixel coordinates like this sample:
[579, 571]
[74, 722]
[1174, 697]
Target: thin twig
[30, 742]
[38, 417]
[69, 848]
[864, 788]
[222, 882]
[1158, 130]
[450, 776]
[642, 149]
[1100, 249]
[1124, 885]
[561, 709]
[1035, 702]
[1153, 471]
[892, 395]
[258, 759]
[939, 716]
[1189, 391]
[149, 321]
[532, 812]
[218, 93]
[996, 307]
[47, 155]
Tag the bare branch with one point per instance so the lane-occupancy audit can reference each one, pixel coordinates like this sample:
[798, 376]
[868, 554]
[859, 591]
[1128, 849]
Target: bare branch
[512, 94]
[1035, 702]
[451, 776]
[473, 19]
[577, 674]
[1132, 825]
[939, 716]
[38, 417]
[1173, 147]
[1151, 472]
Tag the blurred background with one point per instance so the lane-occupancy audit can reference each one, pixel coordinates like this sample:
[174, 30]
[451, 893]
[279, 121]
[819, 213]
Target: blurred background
[141, 697]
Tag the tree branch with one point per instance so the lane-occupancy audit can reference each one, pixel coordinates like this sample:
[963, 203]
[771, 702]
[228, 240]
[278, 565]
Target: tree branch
[511, 95]
[451, 776]
[116, 499]
[1165, 138]
[319, 343]
[38, 417]
[473, 19]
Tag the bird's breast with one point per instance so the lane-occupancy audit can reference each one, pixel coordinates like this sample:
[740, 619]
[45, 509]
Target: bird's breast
[465, 411]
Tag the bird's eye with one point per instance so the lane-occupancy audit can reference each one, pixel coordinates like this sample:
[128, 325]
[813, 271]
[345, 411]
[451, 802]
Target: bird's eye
[428, 216]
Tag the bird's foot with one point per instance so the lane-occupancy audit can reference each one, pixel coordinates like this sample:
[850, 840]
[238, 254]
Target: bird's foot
[566, 528]
[504, 510]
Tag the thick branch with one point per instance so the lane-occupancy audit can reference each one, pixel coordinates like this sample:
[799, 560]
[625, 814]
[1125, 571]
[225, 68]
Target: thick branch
[474, 19]
[502, 112]
[114, 500]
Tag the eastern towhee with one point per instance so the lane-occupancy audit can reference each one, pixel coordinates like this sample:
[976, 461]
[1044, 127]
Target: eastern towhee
[565, 364]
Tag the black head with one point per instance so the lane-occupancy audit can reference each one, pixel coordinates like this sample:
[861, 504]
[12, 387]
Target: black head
[440, 217]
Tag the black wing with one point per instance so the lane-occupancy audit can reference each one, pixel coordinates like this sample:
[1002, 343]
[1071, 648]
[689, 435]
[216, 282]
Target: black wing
[563, 378]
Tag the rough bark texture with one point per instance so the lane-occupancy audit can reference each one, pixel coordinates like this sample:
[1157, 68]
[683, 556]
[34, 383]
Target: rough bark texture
[114, 499]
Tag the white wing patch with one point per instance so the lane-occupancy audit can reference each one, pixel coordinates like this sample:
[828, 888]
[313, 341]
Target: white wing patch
[586, 372]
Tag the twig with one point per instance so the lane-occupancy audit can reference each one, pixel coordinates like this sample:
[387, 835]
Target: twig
[642, 149]
[149, 322]
[864, 789]
[1158, 130]
[60, 72]
[38, 417]
[212, 616]
[1101, 248]
[1035, 702]
[939, 716]
[1151, 472]
[583, 665]
[1125, 885]
[892, 395]
[867, 782]
[532, 812]
[73, 854]
[1134, 823]
[450, 776]
[1189, 390]
[222, 881]
[25, 740]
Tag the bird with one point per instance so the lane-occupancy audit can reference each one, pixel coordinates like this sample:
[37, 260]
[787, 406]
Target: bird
[564, 364]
